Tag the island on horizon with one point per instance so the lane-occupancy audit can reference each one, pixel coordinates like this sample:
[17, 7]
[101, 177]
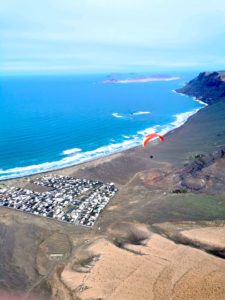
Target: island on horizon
[138, 79]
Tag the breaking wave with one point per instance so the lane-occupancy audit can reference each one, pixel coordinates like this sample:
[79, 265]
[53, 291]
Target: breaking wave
[194, 98]
[77, 156]
[141, 113]
[181, 118]
[117, 115]
[126, 136]
[71, 151]
[199, 101]
[130, 115]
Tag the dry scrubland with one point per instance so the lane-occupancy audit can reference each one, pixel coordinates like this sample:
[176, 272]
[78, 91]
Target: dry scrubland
[161, 237]
[153, 268]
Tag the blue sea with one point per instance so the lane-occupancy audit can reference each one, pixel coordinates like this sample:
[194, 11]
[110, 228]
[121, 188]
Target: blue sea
[50, 122]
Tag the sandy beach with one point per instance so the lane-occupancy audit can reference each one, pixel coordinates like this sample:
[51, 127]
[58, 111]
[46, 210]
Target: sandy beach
[202, 132]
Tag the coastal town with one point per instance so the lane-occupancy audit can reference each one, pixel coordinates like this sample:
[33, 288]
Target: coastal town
[64, 198]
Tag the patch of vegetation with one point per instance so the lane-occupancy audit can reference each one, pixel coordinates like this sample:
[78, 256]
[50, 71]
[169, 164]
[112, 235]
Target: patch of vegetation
[185, 207]
[122, 243]
[179, 191]
[132, 236]
[217, 252]
[207, 206]
[88, 260]
[82, 287]
[119, 242]
[85, 262]
[198, 156]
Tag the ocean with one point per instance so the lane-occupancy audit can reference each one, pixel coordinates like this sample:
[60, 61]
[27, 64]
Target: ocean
[50, 122]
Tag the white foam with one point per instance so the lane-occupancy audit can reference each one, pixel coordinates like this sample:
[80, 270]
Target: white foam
[71, 151]
[147, 131]
[194, 98]
[199, 101]
[181, 118]
[78, 157]
[141, 113]
[117, 115]
[128, 116]
[126, 136]
[181, 94]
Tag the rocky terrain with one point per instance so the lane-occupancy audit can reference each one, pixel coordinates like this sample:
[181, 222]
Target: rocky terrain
[207, 86]
[204, 173]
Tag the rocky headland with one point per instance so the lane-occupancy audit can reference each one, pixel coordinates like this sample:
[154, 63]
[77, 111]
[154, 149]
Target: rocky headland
[208, 87]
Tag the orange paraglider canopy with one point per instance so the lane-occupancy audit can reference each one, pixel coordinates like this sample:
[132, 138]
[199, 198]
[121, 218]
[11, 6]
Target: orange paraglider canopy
[152, 136]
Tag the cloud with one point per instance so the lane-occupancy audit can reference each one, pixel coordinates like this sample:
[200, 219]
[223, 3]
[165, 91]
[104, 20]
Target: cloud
[68, 34]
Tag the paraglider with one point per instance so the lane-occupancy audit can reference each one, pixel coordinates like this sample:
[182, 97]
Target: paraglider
[150, 137]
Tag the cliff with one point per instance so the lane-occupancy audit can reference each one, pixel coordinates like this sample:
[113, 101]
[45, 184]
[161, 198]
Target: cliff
[207, 86]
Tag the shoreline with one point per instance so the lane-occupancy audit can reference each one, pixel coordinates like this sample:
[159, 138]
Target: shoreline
[180, 120]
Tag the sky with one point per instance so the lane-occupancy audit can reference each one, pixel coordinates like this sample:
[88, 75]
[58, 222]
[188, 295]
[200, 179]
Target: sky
[111, 36]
